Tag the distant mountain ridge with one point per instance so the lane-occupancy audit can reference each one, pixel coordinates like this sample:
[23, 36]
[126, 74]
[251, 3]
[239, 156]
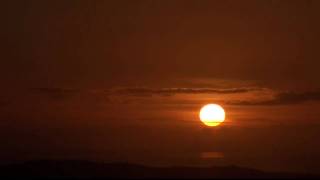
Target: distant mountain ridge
[90, 169]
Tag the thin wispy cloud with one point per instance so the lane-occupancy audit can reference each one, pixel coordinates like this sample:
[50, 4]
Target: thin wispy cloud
[283, 98]
[148, 91]
[174, 91]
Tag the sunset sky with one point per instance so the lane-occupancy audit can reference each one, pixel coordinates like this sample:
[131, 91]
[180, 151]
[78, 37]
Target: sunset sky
[123, 81]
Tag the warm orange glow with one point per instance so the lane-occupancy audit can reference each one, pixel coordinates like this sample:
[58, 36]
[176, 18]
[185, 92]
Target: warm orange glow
[212, 114]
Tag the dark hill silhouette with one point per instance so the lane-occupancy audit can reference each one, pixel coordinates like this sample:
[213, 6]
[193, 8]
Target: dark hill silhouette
[84, 169]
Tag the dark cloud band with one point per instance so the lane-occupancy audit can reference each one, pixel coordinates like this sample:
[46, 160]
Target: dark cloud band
[173, 91]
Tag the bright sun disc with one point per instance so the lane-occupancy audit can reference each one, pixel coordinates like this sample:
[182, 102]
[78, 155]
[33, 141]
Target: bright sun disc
[212, 114]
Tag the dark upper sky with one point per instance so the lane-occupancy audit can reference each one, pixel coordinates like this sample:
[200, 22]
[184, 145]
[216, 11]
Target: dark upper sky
[114, 78]
[107, 43]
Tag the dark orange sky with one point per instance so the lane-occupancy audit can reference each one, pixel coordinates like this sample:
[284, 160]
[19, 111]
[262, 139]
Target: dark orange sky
[125, 80]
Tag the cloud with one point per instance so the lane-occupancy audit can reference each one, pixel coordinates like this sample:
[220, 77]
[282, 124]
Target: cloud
[112, 94]
[284, 98]
[141, 91]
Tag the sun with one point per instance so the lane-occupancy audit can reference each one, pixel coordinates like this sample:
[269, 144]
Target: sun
[212, 114]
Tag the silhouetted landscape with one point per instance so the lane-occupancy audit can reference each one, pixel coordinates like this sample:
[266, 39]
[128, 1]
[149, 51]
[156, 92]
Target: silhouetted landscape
[90, 169]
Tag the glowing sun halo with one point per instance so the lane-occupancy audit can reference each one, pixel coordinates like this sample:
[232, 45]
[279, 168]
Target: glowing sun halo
[212, 114]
